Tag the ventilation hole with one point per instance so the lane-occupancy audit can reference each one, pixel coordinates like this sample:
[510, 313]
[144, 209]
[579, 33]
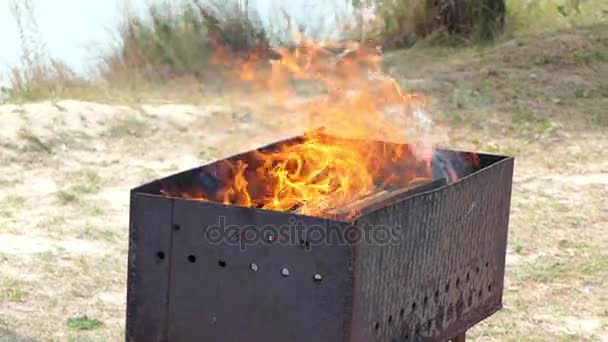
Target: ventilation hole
[160, 255]
[390, 319]
[487, 264]
[447, 287]
[477, 270]
[406, 337]
[437, 295]
[480, 293]
[426, 300]
[176, 227]
[417, 330]
[490, 288]
[413, 306]
[458, 282]
[221, 263]
[401, 312]
[468, 277]
[191, 258]
[305, 244]
[376, 326]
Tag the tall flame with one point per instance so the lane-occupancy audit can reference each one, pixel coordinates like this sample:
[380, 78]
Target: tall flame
[357, 100]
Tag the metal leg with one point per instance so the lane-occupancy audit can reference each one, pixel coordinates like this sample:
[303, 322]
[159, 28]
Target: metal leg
[460, 338]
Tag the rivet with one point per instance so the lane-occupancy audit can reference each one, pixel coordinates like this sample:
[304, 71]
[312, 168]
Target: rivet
[254, 267]
[285, 272]
[318, 277]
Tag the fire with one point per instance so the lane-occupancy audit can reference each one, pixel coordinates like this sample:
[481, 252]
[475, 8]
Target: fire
[318, 174]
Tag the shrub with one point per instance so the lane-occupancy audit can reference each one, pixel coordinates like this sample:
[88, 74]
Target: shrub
[404, 22]
[176, 41]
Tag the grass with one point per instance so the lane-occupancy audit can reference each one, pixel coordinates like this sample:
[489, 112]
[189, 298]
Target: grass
[167, 52]
[172, 43]
[179, 41]
[9, 205]
[82, 182]
[412, 22]
[128, 126]
[12, 295]
[34, 143]
[550, 15]
[83, 323]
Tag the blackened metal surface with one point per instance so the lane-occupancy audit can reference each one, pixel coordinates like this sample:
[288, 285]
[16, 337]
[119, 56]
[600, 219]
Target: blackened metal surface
[217, 294]
[446, 272]
[443, 275]
[148, 270]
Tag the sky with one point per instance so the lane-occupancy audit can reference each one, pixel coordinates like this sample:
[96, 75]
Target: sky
[73, 31]
[78, 31]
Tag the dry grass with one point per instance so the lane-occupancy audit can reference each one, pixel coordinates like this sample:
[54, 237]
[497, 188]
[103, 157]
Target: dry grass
[38, 75]
[166, 54]
[167, 48]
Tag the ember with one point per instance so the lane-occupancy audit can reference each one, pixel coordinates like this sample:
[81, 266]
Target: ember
[316, 174]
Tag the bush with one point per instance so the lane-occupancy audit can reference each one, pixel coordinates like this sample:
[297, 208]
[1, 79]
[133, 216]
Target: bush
[404, 22]
[176, 41]
[548, 15]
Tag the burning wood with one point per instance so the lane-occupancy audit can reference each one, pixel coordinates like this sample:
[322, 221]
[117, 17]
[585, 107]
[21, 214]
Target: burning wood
[356, 206]
[317, 175]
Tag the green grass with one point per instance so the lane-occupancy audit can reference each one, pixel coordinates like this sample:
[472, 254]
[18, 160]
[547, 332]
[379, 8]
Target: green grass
[87, 181]
[533, 127]
[408, 22]
[128, 127]
[537, 16]
[12, 290]
[83, 323]
[67, 197]
[34, 143]
[12, 295]
[9, 205]
[179, 40]
[99, 233]
[83, 182]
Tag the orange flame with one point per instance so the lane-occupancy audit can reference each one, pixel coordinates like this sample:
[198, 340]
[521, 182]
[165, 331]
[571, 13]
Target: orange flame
[357, 100]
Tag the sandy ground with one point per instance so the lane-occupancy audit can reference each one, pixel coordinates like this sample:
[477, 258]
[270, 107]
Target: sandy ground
[67, 167]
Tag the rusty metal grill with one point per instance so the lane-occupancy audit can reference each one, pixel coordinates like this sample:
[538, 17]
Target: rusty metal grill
[442, 275]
